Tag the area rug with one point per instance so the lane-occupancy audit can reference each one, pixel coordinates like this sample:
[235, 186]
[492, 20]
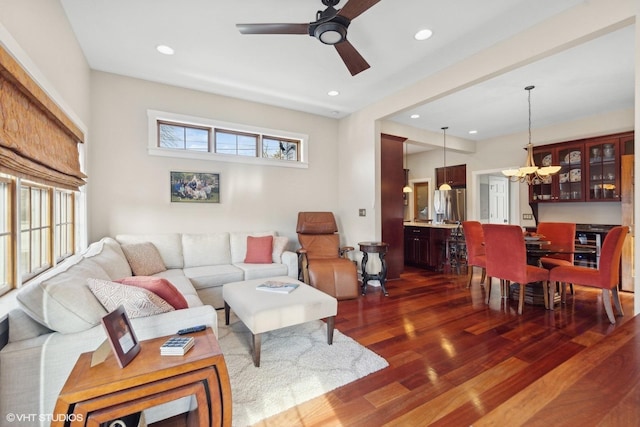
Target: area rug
[296, 365]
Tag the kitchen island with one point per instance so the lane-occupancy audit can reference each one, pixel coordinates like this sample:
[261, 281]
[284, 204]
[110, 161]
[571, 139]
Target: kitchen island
[424, 244]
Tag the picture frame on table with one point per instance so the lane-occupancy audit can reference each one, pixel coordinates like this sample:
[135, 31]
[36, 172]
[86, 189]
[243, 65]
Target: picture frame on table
[195, 187]
[121, 336]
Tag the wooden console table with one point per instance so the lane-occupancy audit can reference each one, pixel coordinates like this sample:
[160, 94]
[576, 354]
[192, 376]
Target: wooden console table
[105, 392]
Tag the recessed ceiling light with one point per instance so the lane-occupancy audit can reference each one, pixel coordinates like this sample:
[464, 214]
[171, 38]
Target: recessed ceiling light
[473, 132]
[333, 93]
[423, 34]
[415, 116]
[164, 49]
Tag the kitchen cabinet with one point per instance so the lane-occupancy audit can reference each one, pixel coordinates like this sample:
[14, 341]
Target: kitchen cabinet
[590, 170]
[416, 246]
[603, 170]
[456, 176]
[423, 246]
[567, 184]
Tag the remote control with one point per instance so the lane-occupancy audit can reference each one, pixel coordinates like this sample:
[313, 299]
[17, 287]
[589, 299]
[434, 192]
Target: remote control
[192, 329]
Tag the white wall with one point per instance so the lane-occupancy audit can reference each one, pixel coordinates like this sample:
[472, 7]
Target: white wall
[129, 189]
[39, 36]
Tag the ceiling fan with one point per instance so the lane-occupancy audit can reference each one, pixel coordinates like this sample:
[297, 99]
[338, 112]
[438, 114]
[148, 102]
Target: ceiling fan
[330, 27]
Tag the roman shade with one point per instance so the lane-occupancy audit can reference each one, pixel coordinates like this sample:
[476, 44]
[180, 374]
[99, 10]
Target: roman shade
[37, 140]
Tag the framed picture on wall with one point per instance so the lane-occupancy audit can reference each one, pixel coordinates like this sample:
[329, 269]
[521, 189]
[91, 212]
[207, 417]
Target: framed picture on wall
[195, 187]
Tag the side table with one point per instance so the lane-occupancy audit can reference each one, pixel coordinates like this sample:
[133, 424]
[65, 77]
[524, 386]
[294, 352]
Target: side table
[381, 249]
[105, 392]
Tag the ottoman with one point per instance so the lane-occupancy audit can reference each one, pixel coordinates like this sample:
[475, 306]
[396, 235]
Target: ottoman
[263, 311]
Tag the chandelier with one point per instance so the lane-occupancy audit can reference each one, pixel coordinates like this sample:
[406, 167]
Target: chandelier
[530, 173]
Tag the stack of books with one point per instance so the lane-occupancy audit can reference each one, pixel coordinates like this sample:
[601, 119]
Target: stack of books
[176, 346]
[277, 287]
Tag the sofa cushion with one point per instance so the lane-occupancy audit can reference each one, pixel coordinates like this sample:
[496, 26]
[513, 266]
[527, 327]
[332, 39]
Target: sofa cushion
[259, 271]
[60, 298]
[108, 254]
[143, 258]
[259, 250]
[238, 243]
[279, 245]
[159, 286]
[137, 302]
[168, 244]
[23, 327]
[206, 249]
[213, 275]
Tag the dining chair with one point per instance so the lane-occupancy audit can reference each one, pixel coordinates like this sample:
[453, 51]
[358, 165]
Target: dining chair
[561, 234]
[605, 277]
[507, 260]
[474, 238]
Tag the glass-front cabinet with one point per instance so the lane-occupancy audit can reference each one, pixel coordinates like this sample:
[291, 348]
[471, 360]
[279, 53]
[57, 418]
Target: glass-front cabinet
[590, 169]
[567, 184]
[603, 168]
[571, 173]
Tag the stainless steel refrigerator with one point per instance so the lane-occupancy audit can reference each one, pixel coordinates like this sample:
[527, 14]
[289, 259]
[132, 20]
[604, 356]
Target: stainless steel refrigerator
[450, 205]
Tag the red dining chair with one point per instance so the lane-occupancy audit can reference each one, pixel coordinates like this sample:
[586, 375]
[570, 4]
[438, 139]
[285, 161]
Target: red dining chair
[606, 276]
[507, 260]
[561, 234]
[474, 238]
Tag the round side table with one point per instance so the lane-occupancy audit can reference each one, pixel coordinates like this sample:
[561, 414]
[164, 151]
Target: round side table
[379, 248]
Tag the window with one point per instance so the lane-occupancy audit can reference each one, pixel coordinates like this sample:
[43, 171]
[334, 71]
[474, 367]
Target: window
[174, 135]
[64, 225]
[6, 236]
[35, 230]
[240, 144]
[279, 148]
[183, 137]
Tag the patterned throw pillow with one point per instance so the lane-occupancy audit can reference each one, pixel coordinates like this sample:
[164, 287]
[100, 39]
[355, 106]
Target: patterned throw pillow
[279, 245]
[144, 258]
[259, 250]
[137, 302]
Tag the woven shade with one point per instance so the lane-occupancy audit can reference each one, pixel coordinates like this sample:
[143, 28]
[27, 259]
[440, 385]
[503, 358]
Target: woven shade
[37, 140]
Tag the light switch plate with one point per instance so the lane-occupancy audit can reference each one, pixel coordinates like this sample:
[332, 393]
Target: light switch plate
[527, 216]
[362, 212]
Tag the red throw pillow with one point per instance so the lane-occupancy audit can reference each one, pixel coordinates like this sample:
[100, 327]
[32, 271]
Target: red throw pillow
[159, 286]
[259, 250]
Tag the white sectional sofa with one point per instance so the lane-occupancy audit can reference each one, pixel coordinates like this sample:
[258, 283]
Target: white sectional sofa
[59, 316]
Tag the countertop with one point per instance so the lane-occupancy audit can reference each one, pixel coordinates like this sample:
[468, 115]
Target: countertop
[428, 224]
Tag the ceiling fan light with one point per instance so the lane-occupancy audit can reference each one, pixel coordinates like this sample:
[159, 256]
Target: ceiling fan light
[331, 33]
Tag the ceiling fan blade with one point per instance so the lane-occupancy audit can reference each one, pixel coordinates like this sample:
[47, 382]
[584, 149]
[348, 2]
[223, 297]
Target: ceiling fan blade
[354, 8]
[352, 59]
[273, 28]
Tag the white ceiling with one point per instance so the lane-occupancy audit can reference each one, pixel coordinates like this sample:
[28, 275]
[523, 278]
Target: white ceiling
[297, 71]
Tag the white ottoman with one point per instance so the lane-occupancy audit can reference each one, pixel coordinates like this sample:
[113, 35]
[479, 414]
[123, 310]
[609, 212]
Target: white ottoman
[264, 311]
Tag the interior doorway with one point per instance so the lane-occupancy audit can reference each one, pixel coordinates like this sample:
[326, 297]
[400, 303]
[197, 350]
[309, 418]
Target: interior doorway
[494, 199]
[498, 199]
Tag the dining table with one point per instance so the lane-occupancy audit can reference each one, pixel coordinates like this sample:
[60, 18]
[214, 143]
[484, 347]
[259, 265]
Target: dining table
[536, 249]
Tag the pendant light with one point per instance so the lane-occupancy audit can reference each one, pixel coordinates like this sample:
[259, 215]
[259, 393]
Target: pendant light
[444, 186]
[406, 188]
[530, 173]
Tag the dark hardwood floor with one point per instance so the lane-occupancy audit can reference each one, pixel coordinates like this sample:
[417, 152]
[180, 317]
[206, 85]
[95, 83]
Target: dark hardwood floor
[456, 361]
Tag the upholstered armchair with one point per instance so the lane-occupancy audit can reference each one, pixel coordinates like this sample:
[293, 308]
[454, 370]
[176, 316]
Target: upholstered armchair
[323, 263]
